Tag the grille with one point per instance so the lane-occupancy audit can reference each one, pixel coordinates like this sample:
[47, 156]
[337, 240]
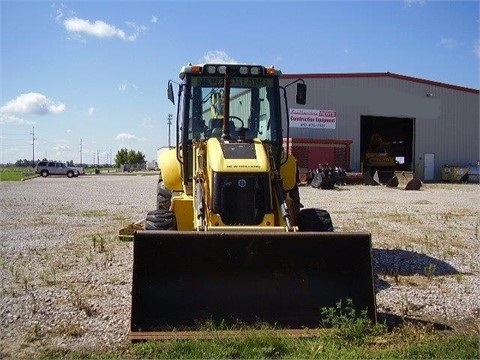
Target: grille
[241, 199]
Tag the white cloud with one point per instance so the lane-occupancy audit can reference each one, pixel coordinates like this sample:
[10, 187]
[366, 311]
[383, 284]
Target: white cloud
[449, 43]
[97, 28]
[138, 29]
[154, 19]
[9, 119]
[61, 12]
[410, 3]
[101, 29]
[33, 103]
[147, 123]
[61, 146]
[124, 86]
[90, 111]
[126, 137]
[476, 49]
[218, 57]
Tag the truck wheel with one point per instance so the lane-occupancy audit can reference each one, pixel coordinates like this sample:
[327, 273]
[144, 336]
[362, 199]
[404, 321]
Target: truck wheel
[160, 219]
[44, 173]
[70, 174]
[164, 197]
[314, 220]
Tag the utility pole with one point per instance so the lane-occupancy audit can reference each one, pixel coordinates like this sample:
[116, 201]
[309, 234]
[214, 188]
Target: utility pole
[169, 122]
[81, 160]
[33, 146]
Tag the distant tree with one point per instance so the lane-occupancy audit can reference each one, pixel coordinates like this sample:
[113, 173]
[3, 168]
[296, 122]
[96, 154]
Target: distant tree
[125, 156]
[23, 163]
[135, 157]
[132, 157]
[140, 158]
[121, 157]
[70, 163]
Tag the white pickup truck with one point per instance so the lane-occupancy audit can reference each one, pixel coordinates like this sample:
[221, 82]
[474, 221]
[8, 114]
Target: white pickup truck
[46, 168]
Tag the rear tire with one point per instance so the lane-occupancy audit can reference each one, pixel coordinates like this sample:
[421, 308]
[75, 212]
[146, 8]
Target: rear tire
[164, 197]
[160, 219]
[70, 174]
[314, 220]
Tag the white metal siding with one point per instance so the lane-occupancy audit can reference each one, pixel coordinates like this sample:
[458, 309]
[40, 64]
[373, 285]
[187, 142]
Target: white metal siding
[446, 123]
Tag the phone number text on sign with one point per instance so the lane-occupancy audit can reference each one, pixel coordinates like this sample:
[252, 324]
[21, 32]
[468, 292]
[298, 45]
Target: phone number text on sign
[311, 118]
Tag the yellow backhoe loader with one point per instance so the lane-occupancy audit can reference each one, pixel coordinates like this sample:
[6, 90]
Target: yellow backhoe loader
[230, 242]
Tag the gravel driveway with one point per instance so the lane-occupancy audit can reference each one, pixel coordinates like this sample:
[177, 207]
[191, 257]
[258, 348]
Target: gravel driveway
[66, 278]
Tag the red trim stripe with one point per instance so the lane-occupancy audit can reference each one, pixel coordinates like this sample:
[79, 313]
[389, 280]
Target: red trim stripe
[379, 75]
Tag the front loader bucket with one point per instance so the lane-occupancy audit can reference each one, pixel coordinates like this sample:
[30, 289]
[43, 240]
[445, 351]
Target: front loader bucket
[183, 279]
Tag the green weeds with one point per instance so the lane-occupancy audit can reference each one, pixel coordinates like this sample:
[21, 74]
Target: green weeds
[350, 336]
[98, 243]
[95, 213]
[16, 173]
[349, 324]
[80, 303]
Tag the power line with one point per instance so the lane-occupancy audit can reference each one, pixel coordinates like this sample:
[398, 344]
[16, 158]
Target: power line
[33, 146]
[9, 135]
[81, 160]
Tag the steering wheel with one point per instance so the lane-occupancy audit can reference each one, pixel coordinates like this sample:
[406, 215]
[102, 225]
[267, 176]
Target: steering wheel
[237, 118]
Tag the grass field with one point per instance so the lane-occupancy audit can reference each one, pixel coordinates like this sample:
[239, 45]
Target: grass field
[13, 173]
[16, 173]
[350, 339]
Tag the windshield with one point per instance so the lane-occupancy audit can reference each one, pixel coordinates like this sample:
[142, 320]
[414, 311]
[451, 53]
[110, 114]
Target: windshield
[253, 107]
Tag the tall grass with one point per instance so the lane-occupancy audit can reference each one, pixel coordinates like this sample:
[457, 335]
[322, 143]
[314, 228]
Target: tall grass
[16, 173]
[350, 335]
[408, 342]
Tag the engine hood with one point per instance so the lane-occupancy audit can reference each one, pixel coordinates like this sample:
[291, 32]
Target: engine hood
[232, 156]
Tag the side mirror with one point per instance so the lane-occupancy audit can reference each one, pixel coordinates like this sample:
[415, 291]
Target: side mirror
[301, 93]
[170, 95]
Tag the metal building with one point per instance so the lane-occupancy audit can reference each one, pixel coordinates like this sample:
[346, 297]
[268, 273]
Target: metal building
[423, 124]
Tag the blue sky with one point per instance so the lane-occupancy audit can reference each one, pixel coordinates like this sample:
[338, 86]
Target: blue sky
[95, 73]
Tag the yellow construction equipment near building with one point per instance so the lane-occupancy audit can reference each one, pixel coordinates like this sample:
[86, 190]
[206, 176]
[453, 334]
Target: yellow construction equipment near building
[230, 241]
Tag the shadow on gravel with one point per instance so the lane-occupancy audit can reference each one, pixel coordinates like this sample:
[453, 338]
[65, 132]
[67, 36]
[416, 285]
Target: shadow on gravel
[392, 321]
[396, 262]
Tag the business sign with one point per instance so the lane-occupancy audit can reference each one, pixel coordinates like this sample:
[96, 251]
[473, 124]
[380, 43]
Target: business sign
[315, 119]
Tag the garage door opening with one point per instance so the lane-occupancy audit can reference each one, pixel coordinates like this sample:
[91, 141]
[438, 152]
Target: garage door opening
[386, 144]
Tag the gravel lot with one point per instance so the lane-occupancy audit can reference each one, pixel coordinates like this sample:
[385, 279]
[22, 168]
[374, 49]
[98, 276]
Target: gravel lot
[66, 278]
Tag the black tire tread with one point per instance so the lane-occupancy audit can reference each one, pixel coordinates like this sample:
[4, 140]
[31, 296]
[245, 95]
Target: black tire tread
[164, 197]
[313, 219]
[160, 219]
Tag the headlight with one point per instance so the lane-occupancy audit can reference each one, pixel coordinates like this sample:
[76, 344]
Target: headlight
[255, 70]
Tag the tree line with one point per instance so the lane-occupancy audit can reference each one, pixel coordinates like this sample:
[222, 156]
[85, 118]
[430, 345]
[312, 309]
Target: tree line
[132, 157]
[123, 156]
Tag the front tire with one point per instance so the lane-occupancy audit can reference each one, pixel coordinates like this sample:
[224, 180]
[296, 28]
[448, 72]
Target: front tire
[164, 197]
[44, 173]
[160, 219]
[70, 174]
[313, 219]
